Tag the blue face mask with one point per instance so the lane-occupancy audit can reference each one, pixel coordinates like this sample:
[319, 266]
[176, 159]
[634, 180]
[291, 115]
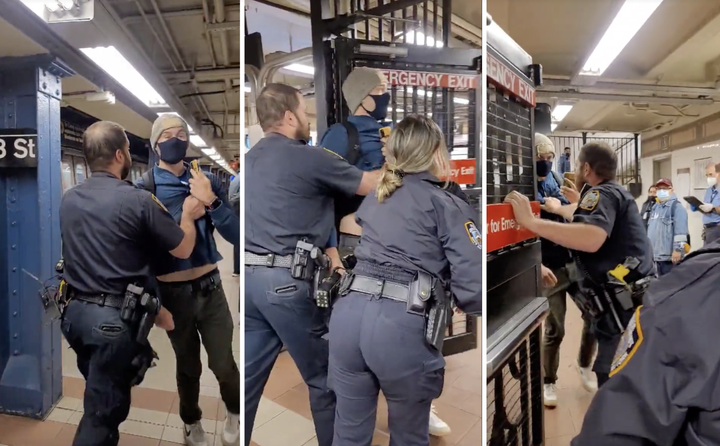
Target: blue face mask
[663, 194]
[173, 150]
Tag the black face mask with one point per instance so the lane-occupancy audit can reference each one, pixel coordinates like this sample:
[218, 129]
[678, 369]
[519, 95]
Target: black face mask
[543, 167]
[381, 105]
[173, 150]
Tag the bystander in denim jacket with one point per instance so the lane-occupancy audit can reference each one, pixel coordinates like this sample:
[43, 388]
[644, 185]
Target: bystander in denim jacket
[668, 229]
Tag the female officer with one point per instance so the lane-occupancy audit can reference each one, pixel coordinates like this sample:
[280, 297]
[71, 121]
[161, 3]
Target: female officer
[409, 225]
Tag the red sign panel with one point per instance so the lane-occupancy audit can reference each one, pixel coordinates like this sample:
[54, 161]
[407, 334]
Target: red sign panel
[423, 79]
[501, 75]
[502, 229]
[463, 171]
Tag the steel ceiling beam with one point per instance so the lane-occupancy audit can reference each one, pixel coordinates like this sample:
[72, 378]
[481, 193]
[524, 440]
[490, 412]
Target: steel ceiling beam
[342, 23]
[621, 85]
[176, 13]
[587, 96]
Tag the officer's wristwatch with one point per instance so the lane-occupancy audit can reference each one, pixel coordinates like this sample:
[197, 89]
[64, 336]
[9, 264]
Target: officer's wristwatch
[215, 204]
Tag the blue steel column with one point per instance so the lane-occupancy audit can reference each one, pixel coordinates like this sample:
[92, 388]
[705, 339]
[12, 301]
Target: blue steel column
[30, 343]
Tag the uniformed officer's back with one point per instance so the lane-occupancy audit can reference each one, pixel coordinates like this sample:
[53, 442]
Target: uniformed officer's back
[100, 216]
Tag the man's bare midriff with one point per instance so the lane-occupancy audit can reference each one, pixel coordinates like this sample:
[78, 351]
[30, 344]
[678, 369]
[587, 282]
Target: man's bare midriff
[188, 274]
[348, 225]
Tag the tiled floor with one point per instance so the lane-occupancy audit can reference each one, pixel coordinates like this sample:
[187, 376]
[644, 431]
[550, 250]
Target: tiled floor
[284, 417]
[564, 422]
[153, 419]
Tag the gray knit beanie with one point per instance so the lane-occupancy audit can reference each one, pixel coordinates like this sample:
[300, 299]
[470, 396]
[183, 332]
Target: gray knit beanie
[358, 86]
[164, 122]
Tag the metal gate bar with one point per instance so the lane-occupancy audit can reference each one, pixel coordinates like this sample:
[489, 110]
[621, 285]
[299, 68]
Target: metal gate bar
[626, 149]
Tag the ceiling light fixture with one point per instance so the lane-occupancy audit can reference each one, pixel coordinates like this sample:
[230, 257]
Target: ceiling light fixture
[553, 127]
[299, 68]
[209, 152]
[197, 141]
[560, 111]
[110, 60]
[628, 21]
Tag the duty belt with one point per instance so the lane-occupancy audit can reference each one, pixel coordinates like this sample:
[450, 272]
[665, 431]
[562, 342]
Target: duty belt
[104, 300]
[379, 287]
[269, 260]
[710, 225]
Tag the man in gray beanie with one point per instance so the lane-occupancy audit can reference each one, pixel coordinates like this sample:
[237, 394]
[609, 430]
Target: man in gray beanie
[191, 289]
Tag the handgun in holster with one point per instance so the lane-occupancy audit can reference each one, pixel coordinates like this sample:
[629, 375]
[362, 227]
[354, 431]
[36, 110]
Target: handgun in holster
[427, 298]
[438, 316]
[303, 266]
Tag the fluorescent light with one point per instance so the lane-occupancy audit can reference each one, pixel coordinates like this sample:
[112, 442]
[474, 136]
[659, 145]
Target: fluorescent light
[305, 69]
[428, 40]
[247, 89]
[553, 127]
[110, 60]
[461, 101]
[197, 141]
[399, 110]
[209, 152]
[216, 157]
[560, 111]
[631, 17]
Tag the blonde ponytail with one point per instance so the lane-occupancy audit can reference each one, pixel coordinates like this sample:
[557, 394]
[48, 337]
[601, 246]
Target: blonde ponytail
[390, 179]
[415, 145]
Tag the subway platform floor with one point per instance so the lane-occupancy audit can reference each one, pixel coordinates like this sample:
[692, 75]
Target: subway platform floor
[284, 417]
[564, 422]
[153, 419]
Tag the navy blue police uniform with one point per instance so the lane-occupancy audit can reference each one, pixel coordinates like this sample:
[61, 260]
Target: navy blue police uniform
[109, 230]
[289, 198]
[610, 207]
[664, 379]
[375, 342]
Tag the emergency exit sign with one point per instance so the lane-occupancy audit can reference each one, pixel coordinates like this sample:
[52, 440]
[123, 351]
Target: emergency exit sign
[506, 78]
[430, 80]
[18, 148]
[463, 171]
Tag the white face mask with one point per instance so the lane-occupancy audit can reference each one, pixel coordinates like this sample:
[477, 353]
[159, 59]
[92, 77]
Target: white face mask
[712, 181]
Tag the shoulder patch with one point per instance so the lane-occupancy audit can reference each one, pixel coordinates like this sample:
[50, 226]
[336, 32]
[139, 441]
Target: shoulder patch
[474, 235]
[590, 200]
[333, 153]
[159, 203]
[629, 343]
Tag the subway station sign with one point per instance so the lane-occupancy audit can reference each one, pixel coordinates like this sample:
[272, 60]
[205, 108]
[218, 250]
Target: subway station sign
[430, 80]
[18, 148]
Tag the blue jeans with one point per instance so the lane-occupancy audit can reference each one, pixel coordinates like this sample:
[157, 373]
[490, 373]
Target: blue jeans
[279, 310]
[105, 347]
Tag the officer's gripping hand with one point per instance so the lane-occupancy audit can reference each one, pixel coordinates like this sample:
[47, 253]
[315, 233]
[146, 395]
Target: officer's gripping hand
[552, 205]
[570, 192]
[521, 208]
[193, 208]
[201, 188]
[548, 277]
[165, 320]
[706, 207]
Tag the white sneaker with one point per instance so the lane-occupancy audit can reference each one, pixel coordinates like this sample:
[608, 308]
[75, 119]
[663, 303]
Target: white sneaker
[231, 431]
[195, 435]
[550, 394]
[438, 428]
[588, 378]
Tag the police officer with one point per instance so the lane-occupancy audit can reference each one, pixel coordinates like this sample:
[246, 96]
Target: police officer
[417, 239]
[607, 237]
[664, 379]
[110, 230]
[289, 211]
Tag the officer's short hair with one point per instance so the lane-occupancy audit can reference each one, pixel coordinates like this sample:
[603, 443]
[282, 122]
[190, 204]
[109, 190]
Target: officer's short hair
[273, 102]
[601, 158]
[100, 142]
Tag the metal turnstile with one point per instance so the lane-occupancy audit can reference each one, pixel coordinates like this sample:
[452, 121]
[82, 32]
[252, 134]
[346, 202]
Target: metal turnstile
[409, 44]
[515, 311]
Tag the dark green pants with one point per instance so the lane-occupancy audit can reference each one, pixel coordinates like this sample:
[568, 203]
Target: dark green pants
[201, 316]
[555, 329]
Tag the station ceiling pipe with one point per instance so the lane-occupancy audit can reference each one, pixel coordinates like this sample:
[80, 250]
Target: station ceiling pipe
[268, 71]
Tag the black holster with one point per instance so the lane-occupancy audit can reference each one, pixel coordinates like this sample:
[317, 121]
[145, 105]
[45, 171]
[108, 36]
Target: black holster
[428, 298]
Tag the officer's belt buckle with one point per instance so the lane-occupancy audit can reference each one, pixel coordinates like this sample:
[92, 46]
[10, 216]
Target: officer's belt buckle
[270, 260]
